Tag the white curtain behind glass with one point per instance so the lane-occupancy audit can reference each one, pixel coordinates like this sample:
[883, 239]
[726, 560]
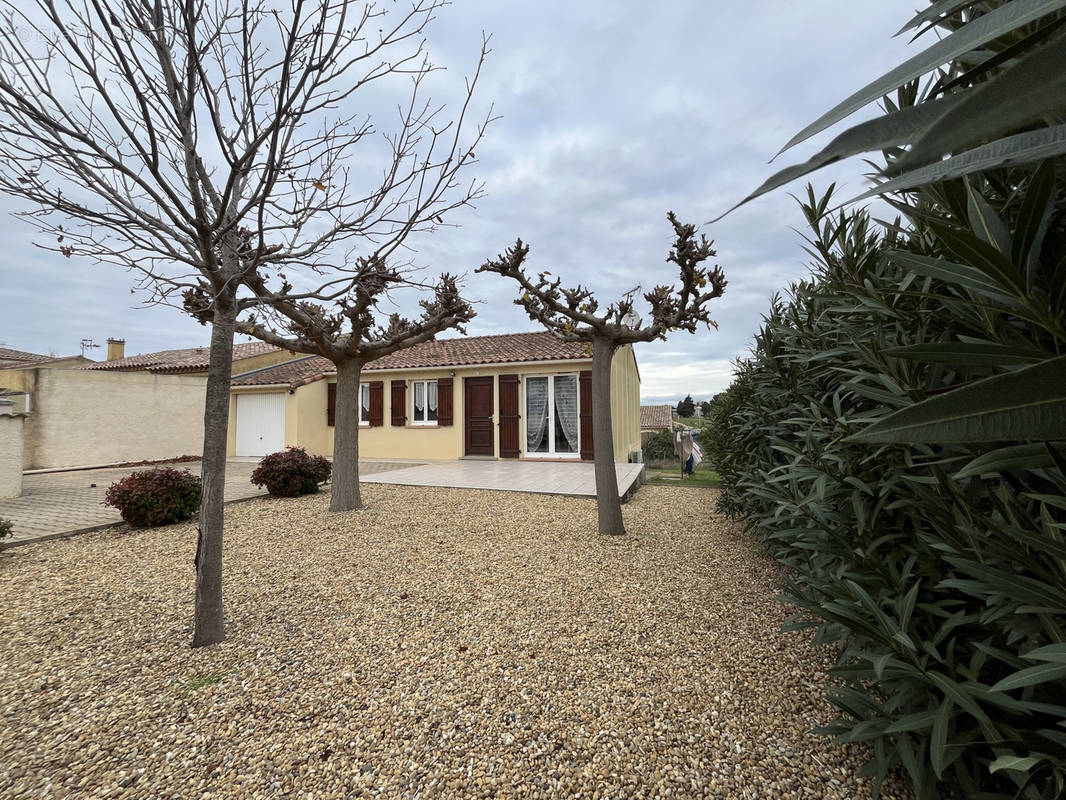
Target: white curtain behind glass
[419, 389]
[536, 412]
[431, 401]
[566, 409]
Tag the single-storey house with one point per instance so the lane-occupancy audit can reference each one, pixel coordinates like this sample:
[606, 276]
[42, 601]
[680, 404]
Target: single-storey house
[655, 419]
[520, 395]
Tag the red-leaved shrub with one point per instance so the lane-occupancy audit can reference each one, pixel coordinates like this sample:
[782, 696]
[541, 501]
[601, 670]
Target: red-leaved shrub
[155, 496]
[291, 472]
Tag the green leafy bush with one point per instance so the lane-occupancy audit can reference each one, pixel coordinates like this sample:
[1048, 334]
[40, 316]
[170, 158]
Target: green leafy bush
[291, 472]
[6, 529]
[155, 496]
[659, 447]
[934, 561]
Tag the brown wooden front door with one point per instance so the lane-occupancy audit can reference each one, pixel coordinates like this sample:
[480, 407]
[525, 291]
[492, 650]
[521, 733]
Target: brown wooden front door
[477, 402]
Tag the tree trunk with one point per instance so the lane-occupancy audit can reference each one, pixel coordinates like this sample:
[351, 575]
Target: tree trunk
[208, 622]
[608, 504]
[345, 494]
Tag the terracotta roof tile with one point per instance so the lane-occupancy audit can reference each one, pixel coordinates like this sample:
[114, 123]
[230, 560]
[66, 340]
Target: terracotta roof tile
[464, 351]
[23, 364]
[656, 416]
[192, 359]
[7, 354]
[291, 373]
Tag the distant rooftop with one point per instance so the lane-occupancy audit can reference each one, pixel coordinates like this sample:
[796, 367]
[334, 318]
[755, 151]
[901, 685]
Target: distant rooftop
[14, 359]
[656, 416]
[192, 359]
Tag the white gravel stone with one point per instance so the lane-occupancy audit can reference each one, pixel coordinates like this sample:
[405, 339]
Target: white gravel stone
[440, 643]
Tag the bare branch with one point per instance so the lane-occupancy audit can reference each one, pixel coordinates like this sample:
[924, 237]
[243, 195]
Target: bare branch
[571, 313]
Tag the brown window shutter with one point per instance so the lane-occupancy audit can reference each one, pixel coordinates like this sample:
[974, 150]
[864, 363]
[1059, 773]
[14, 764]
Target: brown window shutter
[331, 404]
[399, 402]
[444, 401]
[509, 447]
[377, 404]
[584, 414]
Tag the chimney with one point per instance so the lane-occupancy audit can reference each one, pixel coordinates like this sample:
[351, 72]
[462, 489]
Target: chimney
[116, 349]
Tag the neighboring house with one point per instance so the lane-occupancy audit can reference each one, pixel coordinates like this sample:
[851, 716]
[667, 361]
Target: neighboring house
[145, 407]
[655, 419]
[17, 359]
[190, 361]
[16, 374]
[520, 395]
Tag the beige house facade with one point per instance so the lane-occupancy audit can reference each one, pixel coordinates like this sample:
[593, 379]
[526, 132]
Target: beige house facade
[18, 370]
[88, 418]
[514, 396]
[129, 408]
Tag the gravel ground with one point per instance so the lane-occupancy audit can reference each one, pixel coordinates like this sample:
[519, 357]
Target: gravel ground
[442, 643]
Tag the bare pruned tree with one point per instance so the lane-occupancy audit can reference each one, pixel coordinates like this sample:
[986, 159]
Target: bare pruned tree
[177, 139]
[350, 335]
[573, 314]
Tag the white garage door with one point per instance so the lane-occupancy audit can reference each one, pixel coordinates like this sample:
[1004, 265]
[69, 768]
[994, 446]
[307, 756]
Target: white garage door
[260, 424]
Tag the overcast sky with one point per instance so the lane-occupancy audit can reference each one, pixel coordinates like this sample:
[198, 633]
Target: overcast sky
[612, 113]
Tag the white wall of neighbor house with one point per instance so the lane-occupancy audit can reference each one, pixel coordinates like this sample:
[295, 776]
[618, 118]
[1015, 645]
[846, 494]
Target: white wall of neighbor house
[10, 453]
[85, 417]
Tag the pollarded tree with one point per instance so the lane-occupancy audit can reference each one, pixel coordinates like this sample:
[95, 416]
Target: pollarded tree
[177, 139]
[571, 314]
[349, 335]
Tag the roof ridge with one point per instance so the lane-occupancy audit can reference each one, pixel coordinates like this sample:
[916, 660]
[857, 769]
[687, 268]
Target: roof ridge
[467, 337]
[272, 366]
[164, 359]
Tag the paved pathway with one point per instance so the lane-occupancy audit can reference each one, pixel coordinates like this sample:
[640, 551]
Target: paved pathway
[62, 503]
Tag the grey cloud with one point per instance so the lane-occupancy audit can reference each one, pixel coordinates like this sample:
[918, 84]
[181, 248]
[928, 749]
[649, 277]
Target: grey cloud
[612, 114]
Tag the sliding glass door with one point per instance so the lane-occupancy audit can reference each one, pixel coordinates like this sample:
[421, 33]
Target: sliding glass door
[551, 416]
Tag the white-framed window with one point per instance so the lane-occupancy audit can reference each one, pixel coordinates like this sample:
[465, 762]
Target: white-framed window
[423, 402]
[364, 404]
[552, 423]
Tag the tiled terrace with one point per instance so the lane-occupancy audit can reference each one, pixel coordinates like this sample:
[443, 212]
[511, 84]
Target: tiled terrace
[541, 477]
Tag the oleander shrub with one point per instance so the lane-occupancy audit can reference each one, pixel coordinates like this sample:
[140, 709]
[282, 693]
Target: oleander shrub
[155, 496]
[893, 441]
[291, 472]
